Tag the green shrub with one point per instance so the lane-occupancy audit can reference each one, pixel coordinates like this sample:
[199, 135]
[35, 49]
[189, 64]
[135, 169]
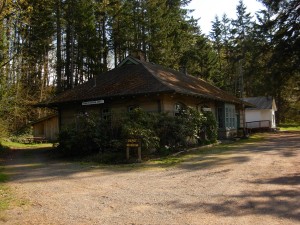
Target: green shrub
[78, 138]
[20, 139]
[210, 128]
[160, 131]
[108, 134]
[3, 149]
[3, 129]
[139, 124]
[21, 135]
[181, 131]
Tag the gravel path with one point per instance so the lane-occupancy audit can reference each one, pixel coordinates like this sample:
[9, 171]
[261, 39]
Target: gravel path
[257, 183]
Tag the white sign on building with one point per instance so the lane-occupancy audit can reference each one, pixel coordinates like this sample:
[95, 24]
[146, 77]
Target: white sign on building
[97, 102]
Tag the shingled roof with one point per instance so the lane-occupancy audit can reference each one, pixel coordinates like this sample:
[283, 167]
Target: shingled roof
[134, 77]
[261, 102]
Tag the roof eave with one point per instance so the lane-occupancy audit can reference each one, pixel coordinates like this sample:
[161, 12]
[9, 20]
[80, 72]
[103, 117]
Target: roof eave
[58, 104]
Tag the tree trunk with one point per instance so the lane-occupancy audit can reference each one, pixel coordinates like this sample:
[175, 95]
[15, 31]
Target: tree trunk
[58, 50]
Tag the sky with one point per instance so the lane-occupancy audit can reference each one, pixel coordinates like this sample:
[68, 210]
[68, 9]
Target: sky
[208, 9]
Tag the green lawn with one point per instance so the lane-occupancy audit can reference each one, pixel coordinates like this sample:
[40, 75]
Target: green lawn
[289, 127]
[11, 144]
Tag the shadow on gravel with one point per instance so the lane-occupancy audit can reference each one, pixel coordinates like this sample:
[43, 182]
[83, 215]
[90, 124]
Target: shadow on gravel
[285, 180]
[284, 145]
[39, 164]
[30, 165]
[209, 161]
[278, 203]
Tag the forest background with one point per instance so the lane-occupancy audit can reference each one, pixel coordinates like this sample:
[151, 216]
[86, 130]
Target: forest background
[48, 46]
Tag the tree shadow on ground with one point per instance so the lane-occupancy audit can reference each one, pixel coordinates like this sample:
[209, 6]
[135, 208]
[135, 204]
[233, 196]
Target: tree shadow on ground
[283, 180]
[38, 164]
[29, 165]
[209, 161]
[279, 203]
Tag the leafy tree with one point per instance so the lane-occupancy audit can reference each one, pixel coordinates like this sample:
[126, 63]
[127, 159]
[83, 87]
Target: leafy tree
[281, 29]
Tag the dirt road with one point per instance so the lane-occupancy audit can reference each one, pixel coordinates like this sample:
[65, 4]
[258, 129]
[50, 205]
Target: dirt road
[257, 183]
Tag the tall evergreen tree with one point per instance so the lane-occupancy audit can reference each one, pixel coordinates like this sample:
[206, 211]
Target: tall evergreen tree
[281, 28]
[216, 37]
[241, 30]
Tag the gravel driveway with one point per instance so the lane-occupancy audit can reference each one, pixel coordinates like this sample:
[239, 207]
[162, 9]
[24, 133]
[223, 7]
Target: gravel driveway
[257, 183]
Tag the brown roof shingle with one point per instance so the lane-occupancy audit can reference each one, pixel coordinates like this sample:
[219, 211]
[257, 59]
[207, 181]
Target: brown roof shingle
[141, 78]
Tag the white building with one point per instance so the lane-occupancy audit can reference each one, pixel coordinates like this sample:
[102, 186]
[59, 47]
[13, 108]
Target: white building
[261, 116]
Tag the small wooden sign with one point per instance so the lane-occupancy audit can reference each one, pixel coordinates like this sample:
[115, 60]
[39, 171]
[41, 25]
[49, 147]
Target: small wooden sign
[136, 144]
[133, 143]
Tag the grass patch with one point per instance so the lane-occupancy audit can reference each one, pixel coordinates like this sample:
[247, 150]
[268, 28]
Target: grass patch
[97, 161]
[218, 149]
[3, 152]
[289, 127]
[10, 144]
[166, 161]
[228, 146]
[3, 177]
[5, 193]
[7, 198]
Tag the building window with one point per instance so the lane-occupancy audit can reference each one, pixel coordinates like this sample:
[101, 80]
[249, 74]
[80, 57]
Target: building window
[220, 117]
[106, 113]
[178, 108]
[132, 107]
[230, 116]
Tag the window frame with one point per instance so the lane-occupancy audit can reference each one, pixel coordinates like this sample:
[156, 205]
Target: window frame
[178, 108]
[230, 116]
[130, 108]
[106, 113]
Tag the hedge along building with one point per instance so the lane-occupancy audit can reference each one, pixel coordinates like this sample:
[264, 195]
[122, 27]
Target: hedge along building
[151, 87]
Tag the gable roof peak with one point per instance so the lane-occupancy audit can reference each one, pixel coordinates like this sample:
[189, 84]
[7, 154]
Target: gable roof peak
[262, 102]
[129, 60]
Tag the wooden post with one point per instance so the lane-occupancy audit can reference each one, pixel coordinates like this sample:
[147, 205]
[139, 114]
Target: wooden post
[135, 143]
[127, 153]
[140, 151]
